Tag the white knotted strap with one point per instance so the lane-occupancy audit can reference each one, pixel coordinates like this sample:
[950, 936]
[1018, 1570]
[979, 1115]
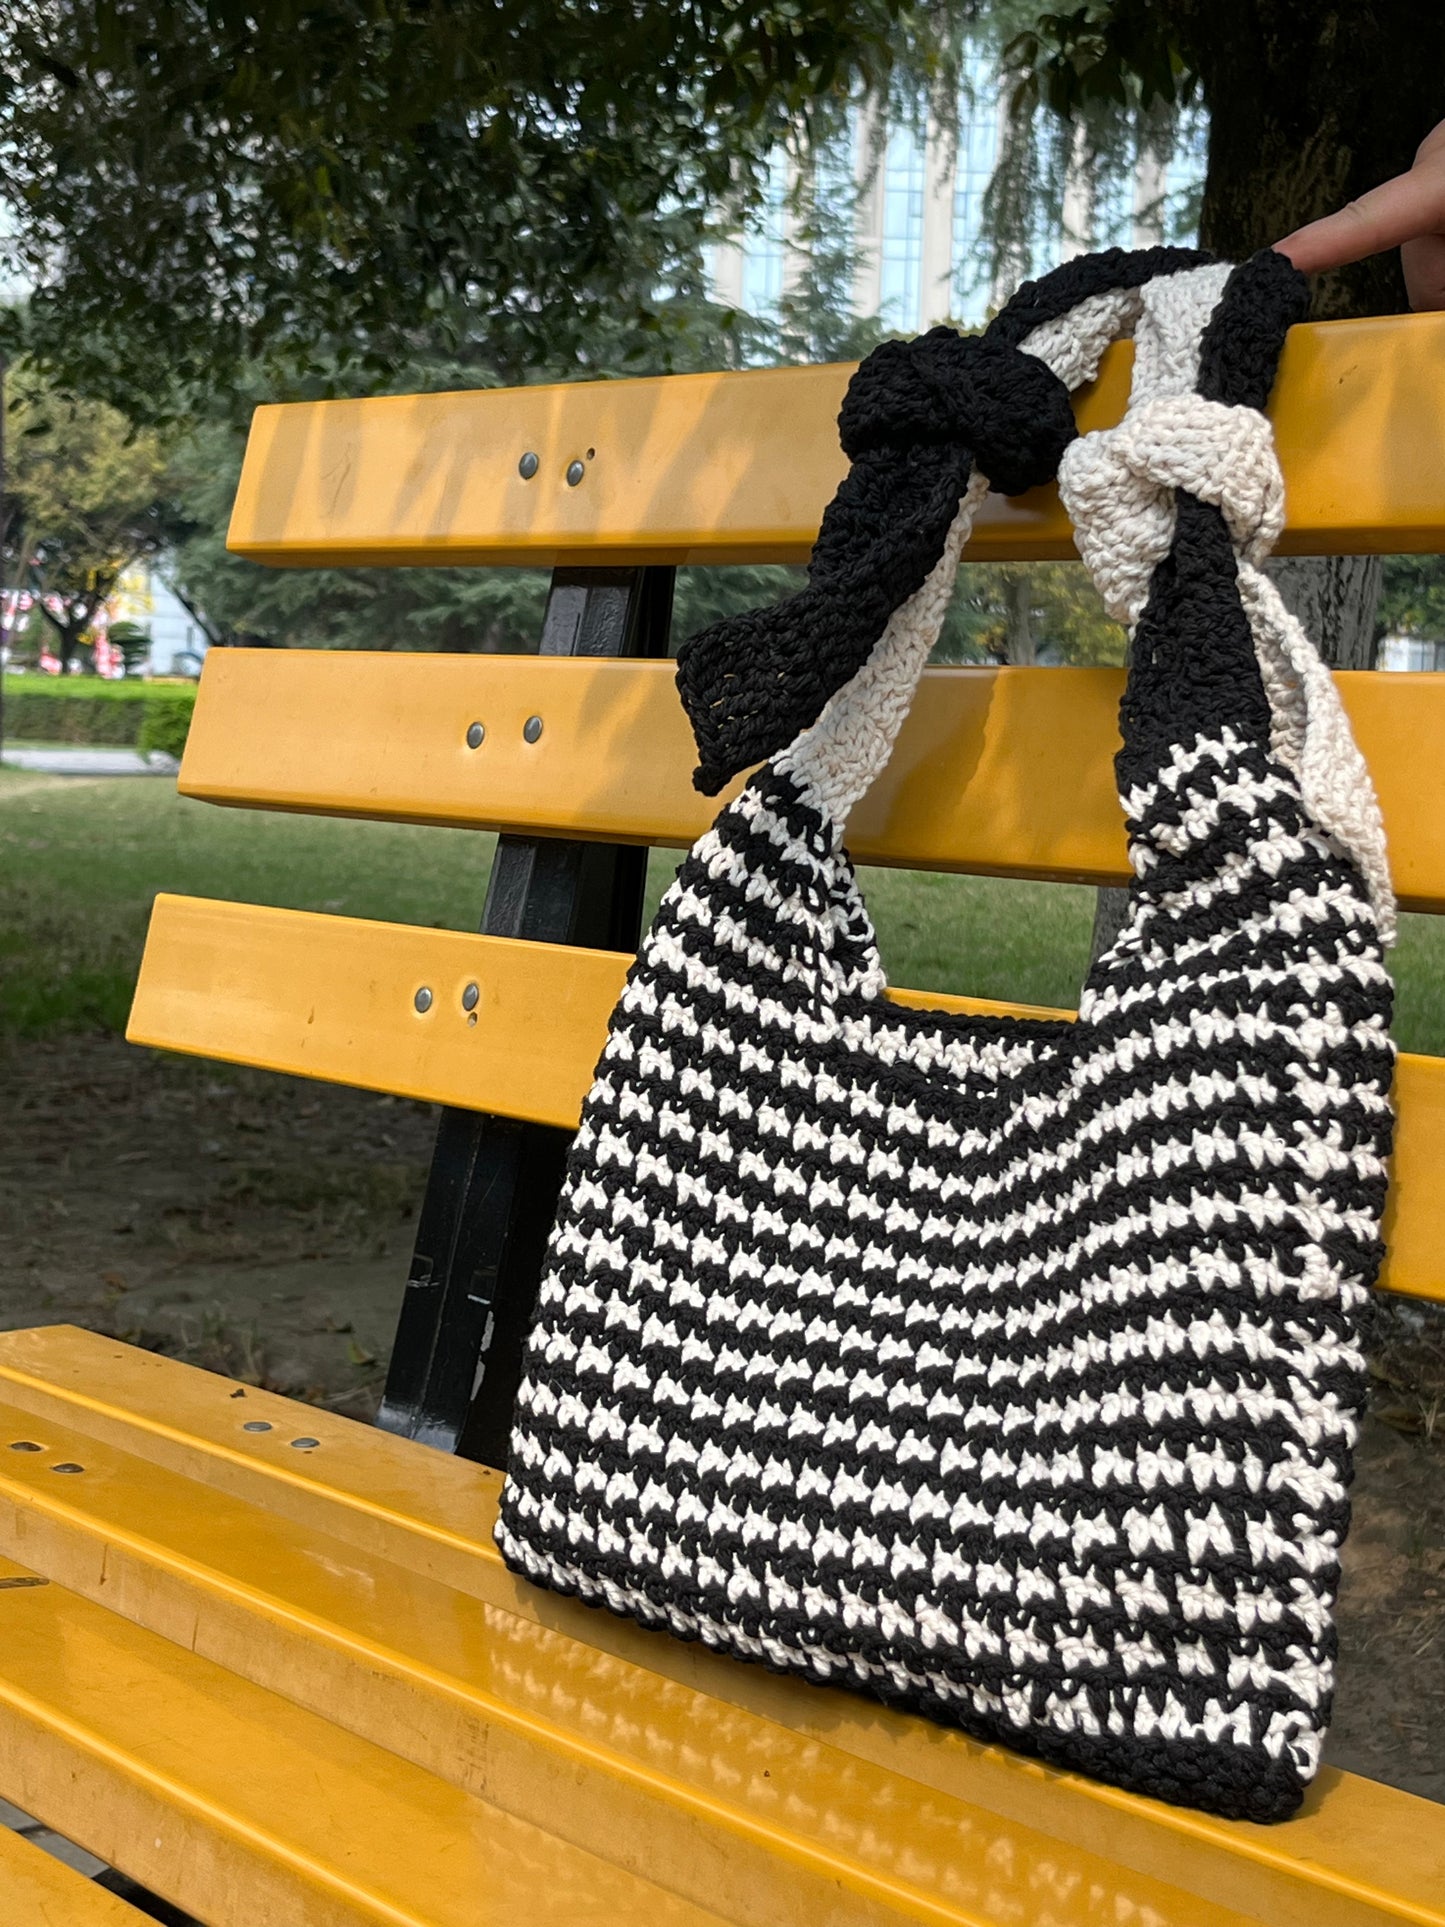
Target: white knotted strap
[1118, 486]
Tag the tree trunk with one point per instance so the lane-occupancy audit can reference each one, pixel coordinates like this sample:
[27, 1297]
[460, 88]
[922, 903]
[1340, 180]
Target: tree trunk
[68, 630]
[1018, 618]
[1336, 597]
[1309, 106]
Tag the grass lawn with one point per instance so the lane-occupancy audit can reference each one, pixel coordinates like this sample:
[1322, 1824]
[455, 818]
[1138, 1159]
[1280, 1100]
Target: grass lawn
[80, 861]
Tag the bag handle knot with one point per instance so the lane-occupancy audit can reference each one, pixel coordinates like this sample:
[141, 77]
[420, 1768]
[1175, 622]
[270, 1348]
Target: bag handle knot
[1008, 408]
[922, 422]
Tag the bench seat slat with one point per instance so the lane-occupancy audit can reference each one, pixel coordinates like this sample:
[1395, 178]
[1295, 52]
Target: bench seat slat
[372, 1554]
[1005, 772]
[738, 467]
[620, 1761]
[239, 1805]
[333, 998]
[37, 1890]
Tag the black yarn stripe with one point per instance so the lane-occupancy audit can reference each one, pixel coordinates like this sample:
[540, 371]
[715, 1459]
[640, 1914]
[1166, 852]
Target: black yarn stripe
[1102, 1625]
[976, 1107]
[1105, 1322]
[1042, 1347]
[1278, 1382]
[1263, 299]
[1261, 1788]
[1120, 1141]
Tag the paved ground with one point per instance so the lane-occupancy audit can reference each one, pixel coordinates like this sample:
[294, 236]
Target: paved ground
[89, 762]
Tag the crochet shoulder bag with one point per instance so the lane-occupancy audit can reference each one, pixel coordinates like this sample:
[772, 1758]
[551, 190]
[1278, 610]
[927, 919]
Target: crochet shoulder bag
[1007, 1370]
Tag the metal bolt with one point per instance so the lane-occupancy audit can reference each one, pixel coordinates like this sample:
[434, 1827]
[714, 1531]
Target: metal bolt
[470, 997]
[575, 472]
[67, 1465]
[422, 999]
[532, 728]
[305, 1445]
[25, 1445]
[257, 1425]
[528, 466]
[476, 736]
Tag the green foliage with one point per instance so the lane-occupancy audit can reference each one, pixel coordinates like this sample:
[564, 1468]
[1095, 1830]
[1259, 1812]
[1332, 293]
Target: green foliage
[80, 863]
[1115, 51]
[82, 709]
[132, 641]
[1028, 612]
[1091, 93]
[166, 721]
[197, 183]
[706, 595]
[86, 490]
[1309, 107]
[1412, 602]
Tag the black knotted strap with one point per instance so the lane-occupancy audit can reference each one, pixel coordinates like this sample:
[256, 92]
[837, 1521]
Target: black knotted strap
[916, 419]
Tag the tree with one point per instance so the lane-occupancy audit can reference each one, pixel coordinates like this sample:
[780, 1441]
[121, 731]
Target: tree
[1413, 600]
[89, 502]
[1309, 105]
[1028, 612]
[132, 642]
[196, 183]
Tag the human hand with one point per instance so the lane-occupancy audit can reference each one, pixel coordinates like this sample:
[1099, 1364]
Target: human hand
[1407, 212]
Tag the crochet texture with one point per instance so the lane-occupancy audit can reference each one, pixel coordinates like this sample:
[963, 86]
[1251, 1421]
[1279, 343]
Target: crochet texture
[1007, 1370]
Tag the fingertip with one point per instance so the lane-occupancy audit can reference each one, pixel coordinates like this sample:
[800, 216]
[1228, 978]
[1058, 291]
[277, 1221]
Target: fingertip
[1296, 250]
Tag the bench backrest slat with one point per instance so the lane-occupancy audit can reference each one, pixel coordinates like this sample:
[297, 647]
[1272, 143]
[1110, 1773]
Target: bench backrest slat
[998, 771]
[738, 467]
[334, 998]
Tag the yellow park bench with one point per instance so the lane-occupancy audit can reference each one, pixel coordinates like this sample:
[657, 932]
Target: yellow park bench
[266, 1660]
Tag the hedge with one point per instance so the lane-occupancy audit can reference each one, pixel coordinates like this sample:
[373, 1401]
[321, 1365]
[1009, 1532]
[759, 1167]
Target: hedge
[83, 709]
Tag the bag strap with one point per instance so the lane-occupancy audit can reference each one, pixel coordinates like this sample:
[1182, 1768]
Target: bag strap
[1215, 649]
[1189, 477]
[918, 420]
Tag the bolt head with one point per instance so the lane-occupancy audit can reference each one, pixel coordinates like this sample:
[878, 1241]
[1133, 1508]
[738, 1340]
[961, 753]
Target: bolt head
[305, 1445]
[476, 736]
[575, 472]
[422, 999]
[471, 996]
[67, 1465]
[257, 1425]
[528, 466]
[25, 1445]
[532, 728]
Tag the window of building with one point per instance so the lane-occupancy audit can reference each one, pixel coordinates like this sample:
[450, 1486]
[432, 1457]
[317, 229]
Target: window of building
[901, 254]
[765, 243]
[978, 118]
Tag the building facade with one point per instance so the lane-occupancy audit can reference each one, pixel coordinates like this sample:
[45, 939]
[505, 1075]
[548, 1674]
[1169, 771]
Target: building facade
[912, 199]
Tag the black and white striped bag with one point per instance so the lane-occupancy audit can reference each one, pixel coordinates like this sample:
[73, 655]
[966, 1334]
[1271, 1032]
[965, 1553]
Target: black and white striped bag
[1004, 1369]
